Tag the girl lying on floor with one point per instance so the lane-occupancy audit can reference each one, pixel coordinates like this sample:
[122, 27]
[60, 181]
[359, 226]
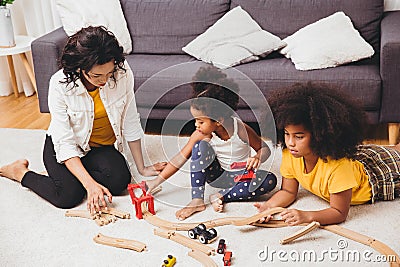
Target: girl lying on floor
[320, 131]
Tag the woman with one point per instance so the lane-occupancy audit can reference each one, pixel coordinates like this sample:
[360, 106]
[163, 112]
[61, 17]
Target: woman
[93, 110]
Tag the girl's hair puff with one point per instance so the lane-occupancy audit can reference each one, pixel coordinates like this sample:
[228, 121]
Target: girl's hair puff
[89, 47]
[211, 87]
[336, 121]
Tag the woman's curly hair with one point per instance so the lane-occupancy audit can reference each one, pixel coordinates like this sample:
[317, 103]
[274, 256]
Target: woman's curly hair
[214, 94]
[336, 121]
[89, 47]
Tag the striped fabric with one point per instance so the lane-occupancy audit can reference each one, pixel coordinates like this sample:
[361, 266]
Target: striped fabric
[382, 165]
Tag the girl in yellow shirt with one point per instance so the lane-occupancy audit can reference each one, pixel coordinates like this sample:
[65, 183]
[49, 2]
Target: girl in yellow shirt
[320, 131]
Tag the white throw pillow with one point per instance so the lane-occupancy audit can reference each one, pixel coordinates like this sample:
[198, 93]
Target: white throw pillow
[329, 42]
[76, 15]
[235, 38]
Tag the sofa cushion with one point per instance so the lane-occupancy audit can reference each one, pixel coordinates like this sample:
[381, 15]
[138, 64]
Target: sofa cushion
[285, 17]
[235, 38]
[78, 14]
[329, 42]
[164, 27]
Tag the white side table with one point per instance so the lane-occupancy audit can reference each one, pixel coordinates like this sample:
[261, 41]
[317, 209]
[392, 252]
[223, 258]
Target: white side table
[23, 44]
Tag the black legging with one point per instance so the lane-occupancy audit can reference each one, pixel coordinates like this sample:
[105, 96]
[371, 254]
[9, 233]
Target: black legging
[62, 189]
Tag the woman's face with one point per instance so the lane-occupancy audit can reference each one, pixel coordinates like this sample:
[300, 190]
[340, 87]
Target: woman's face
[203, 123]
[298, 140]
[99, 74]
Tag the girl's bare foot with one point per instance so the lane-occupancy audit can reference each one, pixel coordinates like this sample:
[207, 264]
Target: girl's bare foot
[15, 170]
[196, 205]
[216, 202]
[261, 206]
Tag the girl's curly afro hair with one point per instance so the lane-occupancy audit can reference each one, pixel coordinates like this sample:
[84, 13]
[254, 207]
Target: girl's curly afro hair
[336, 122]
[214, 94]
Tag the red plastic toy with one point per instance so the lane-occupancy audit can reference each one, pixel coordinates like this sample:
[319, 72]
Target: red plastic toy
[247, 174]
[137, 201]
[227, 258]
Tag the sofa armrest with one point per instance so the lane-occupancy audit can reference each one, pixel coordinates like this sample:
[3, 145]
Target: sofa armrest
[46, 51]
[390, 67]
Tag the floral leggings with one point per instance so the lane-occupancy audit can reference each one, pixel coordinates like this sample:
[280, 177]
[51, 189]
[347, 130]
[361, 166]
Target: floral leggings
[205, 167]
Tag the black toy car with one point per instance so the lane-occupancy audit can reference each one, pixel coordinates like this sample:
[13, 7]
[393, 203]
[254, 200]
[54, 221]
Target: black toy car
[204, 235]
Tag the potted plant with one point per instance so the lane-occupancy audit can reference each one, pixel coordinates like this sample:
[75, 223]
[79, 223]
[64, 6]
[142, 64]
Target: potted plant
[6, 28]
[4, 2]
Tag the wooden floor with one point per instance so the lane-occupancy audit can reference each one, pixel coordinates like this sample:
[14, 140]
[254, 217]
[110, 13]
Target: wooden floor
[23, 113]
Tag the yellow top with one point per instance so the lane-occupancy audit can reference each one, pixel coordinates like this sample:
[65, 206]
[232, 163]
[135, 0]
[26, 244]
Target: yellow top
[102, 132]
[329, 177]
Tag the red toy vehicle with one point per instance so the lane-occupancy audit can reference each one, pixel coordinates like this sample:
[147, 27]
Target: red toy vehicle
[227, 258]
[247, 174]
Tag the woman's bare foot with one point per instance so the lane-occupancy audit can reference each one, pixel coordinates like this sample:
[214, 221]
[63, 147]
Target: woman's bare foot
[196, 205]
[15, 170]
[216, 202]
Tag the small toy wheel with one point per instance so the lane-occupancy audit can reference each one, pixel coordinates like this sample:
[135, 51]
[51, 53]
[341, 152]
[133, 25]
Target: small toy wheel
[203, 239]
[202, 227]
[165, 261]
[213, 232]
[192, 234]
[170, 257]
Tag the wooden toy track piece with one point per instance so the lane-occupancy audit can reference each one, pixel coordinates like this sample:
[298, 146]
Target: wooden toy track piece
[202, 258]
[360, 238]
[366, 240]
[103, 218]
[85, 214]
[255, 218]
[119, 242]
[238, 221]
[304, 231]
[117, 213]
[80, 213]
[186, 241]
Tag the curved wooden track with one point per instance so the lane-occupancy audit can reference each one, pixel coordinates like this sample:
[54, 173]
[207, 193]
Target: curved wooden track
[119, 242]
[202, 258]
[304, 231]
[186, 241]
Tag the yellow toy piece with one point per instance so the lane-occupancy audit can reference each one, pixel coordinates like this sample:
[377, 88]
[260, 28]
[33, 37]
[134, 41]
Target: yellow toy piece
[170, 261]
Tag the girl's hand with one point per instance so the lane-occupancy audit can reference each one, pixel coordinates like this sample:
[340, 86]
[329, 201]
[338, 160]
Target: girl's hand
[262, 206]
[253, 163]
[95, 197]
[154, 169]
[295, 217]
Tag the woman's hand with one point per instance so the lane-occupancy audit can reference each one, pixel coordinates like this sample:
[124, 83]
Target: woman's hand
[253, 163]
[295, 217]
[95, 197]
[154, 169]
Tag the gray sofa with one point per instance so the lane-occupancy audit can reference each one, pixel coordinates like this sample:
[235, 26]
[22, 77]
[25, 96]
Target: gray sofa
[159, 29]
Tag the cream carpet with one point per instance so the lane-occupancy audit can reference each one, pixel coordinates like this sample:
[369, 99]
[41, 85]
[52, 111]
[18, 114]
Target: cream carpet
[34, 233]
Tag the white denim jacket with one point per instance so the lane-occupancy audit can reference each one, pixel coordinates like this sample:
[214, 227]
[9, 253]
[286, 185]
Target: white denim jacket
[72, 113]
